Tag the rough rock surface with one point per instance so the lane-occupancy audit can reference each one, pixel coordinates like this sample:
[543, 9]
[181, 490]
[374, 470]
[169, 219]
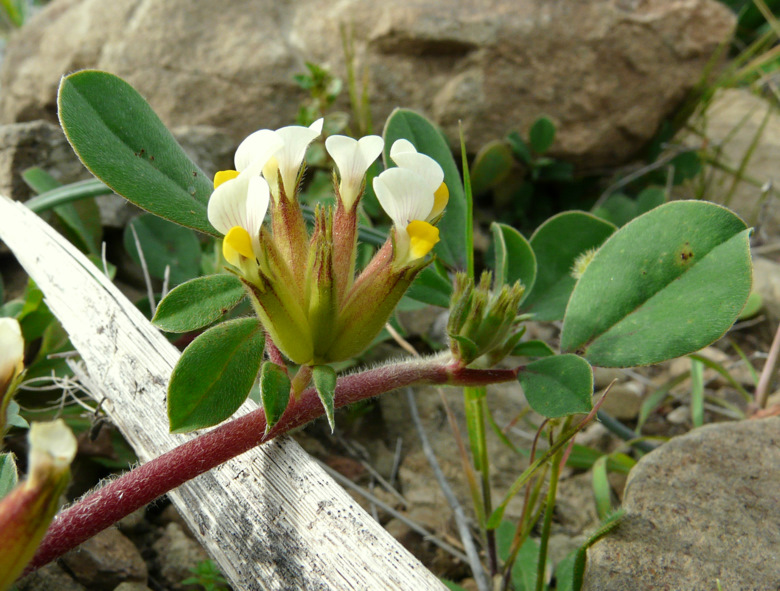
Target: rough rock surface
[606, 71]
[50, 577]
[700, 509]
[177, 555]
[105, 561]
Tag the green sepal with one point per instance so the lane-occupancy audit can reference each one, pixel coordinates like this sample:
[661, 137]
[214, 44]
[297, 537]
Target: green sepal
[324, 377]
[215, 374]
[274, 392]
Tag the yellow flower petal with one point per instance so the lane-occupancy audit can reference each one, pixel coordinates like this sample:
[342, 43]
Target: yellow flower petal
[440, 199]
[422, 238]
[237, 242]
[224, 175]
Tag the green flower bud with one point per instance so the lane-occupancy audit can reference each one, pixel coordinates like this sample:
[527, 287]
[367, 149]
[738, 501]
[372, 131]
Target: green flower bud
[482, 322]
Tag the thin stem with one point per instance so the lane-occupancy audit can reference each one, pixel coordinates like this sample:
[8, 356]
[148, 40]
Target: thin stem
[138, 487]
[552, 492]
[762, 389]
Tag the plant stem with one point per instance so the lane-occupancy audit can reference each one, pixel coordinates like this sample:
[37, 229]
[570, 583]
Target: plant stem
[155, 478]
[552, 493]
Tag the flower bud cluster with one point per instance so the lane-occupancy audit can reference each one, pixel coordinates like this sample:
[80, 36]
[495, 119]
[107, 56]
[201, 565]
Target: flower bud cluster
[303, 285]
[483, 322]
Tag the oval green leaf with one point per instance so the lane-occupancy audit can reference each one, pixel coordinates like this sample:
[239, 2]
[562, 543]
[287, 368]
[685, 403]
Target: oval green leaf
[120, 139]
[215, 374]
[515, 259]
[542, 135]
[164, 244]
[198, 303]
[275, 392]
[558, 386]
[668, 283]
[491, 165]
[8, 474]
[406, 124]
[557, 243]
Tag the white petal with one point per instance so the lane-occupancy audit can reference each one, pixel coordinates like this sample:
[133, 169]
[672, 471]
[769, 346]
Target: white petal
[290, 156]
[257, 199]
[227, 204]
[403, 196]
[256, 150]
[11, 347]
[352, 158]
[51, 445]
[429, 170]
[401, 146]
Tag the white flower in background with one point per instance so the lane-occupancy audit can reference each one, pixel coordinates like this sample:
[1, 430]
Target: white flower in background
[240, 199]
[11, 353]
[353, 158]
[287, 160]
[413, 195]
[405, 155]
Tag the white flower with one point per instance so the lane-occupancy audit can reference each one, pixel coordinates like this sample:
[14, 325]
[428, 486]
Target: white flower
[11, 352]
[405, 155]
[240, 199]
[352, 158]
[237, 208]
[408, 200]
[288, 159]
[52, 447]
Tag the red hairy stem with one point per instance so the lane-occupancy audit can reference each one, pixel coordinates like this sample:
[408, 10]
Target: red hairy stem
[138, 487]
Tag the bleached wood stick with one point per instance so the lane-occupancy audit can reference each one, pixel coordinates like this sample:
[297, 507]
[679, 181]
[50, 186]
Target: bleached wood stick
[271, 518]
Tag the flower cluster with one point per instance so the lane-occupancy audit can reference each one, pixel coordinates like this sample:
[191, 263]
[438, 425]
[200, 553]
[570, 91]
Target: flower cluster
[303, 285]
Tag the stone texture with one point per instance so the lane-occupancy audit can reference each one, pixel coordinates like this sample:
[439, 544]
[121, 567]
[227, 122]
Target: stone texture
[48, 578]
[177, 555]
[606, 71]
[106, 560]
[701, 508]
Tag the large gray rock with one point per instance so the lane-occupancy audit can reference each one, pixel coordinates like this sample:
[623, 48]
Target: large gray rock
[606, 71]
[700, 509]
[106, 560]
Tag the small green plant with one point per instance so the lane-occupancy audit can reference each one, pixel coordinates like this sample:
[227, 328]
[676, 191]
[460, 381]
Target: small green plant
[207, 575]
[664, 284]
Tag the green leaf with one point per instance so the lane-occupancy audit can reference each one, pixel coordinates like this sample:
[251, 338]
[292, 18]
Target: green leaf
[324, 377]
[198, 303]
[533, 348]
[558, 386]
[13, 418]
[8, 474]
[452, 586]
[121, 141]
[164, 244]
[520, 148]
[557, 243]
[275, 392]
[515, 259]
[431, 288]
[412, 126]
[668, 283]
[525, 566]
[564, 572]
[67, 194]
[602, 492]
[215, 374]
[80, 219]
[542, 135]
[491, 165]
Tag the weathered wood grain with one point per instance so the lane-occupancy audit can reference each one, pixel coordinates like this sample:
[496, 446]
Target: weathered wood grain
[271, 518]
